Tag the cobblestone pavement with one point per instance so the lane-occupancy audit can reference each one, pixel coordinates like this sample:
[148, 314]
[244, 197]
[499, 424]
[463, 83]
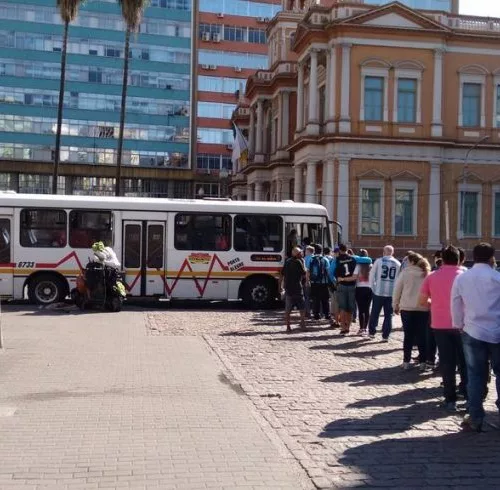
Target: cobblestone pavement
[91, 401]
[343, 406]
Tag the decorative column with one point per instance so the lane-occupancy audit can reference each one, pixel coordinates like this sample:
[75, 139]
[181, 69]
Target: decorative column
[311, 192]
[328, 185]
[343, 197]
[251, 133]
[435, 210]
[285, 118]
[258, 191]
[331, 89]
[260, 127]
[298, 183]
[300, 97]
[345, 118]
[437, 122]
[250, 196]
[313, 119]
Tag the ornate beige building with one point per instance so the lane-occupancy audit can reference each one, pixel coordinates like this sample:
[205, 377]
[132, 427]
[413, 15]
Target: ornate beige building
[372, 111]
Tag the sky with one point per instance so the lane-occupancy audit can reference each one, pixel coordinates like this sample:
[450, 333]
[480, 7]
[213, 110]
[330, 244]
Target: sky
[484, 8]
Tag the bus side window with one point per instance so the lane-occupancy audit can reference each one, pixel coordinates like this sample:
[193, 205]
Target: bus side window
[203, 232]
[258, 233]
[89, 226]
[43, 228]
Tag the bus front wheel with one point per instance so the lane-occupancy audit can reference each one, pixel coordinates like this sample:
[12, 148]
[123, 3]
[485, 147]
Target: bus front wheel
[46, 289]
[259, 292]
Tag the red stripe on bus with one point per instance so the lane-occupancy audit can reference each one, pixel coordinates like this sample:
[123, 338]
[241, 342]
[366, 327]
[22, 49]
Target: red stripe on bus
[68, 257]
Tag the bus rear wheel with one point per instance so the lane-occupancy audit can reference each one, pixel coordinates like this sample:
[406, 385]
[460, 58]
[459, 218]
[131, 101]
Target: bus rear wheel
[46, 289]
[259, 293]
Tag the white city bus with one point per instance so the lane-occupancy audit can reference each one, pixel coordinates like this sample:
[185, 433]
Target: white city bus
[168, 248]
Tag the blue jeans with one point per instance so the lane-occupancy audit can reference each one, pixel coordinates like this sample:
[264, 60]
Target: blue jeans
[380, 302]
[477, 354]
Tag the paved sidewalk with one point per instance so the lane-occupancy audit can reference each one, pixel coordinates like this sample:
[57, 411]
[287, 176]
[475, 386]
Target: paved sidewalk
[100, 404]
[344, 407]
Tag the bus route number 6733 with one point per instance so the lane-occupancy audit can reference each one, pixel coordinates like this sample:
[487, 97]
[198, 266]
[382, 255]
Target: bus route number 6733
[26, 265]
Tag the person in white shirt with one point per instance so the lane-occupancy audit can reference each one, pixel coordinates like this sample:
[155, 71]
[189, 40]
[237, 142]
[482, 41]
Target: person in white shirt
[382, 279]
[475, 309]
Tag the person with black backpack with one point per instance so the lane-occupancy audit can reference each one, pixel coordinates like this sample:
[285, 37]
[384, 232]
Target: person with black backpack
[318, 276]
[346, 289]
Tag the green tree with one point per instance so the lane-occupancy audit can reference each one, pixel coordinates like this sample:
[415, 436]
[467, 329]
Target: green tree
[68, 10]
[132, 11]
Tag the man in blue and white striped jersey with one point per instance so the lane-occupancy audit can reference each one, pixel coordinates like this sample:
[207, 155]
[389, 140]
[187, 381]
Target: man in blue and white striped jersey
[382, 279]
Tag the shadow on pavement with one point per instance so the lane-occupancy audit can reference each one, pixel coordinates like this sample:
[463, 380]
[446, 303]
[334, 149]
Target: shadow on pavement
[391, 422]
[384, 376]
[402, 398]
[368, 353]
[346, 345]
[447, 461]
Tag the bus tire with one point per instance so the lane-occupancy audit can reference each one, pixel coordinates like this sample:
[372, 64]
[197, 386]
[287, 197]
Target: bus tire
[259, 292]
[46, 289]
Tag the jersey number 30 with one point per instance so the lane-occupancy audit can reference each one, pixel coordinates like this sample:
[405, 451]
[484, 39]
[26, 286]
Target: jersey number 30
[388, 272]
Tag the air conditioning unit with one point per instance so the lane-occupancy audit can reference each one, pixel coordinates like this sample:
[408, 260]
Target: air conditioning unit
[206, 67]
[213, 67]
[267, 19]
[237, 68]
[220, 15]
[216, 38]
[206, 36]
[262, 19]
[229, 147]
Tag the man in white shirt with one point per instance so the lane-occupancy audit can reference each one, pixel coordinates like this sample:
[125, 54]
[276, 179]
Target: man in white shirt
[475, 309]
[382, 279]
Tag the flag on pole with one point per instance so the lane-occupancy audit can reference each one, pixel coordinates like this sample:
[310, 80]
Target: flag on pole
[240, 147]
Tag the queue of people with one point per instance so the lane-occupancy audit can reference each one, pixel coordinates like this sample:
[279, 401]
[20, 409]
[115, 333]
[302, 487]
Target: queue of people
[445, 308]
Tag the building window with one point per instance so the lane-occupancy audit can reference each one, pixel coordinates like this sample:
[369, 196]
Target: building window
[374, 99]
[257, 36]
[496, 213]
[471, 105]
[407, 100]
[232, 33]
[469, 212]
[404, 204]
[371, 206]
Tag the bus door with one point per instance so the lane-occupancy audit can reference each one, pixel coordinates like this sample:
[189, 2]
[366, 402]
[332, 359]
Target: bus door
[301, 230]
[144, 247]
[6, 266]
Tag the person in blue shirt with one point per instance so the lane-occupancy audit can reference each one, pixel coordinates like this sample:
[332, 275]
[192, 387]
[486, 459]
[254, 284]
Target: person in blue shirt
[318, 276]
[308, 255]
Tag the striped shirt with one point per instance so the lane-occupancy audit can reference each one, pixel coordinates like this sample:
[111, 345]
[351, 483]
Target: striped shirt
[383, 276]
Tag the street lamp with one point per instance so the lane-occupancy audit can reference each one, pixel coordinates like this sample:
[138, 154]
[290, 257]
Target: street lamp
[464, 179]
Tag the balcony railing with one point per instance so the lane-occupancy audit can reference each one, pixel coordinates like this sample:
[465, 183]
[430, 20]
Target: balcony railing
[460, 22]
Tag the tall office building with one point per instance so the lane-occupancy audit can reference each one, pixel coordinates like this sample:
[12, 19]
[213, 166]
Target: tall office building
[156, 147]
[231, 47]
[450, 6]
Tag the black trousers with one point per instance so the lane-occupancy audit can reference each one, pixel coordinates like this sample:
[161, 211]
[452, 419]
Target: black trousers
[451, 356]
[363, 300]
[415, 328]
[320, 298]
